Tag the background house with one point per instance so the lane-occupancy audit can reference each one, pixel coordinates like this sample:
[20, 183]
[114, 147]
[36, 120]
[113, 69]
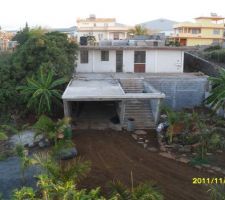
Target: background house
[101, 28]
[204, 31]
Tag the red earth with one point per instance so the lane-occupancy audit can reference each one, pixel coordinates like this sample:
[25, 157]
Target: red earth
[115, 154]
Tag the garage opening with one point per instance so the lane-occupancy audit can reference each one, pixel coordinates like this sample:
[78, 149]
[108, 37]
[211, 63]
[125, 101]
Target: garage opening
[95, 115]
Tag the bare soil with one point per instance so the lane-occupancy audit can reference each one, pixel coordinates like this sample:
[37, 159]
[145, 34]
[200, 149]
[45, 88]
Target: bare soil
[115, 154]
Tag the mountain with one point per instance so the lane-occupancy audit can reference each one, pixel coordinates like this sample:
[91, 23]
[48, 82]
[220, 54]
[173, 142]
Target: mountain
[159, 24]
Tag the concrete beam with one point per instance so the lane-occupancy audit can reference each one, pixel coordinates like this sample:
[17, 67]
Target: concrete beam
[127, 96]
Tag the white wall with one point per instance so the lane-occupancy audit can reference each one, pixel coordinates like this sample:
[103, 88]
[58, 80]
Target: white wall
[95, 64]
[128, 61]
[168, 61]
[105, 66]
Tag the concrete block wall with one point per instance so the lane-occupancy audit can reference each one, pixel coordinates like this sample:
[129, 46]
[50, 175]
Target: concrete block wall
[185, 92]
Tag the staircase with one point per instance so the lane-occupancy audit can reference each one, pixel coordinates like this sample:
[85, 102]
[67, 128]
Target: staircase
[139, 110]
[132, 85]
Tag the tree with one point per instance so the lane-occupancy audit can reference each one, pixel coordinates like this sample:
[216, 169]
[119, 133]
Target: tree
[22, 36]
[138, 30]
[52, 50]
[41, 91]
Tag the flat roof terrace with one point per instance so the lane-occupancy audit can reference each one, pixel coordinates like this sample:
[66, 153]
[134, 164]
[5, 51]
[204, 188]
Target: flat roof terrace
[102, 87]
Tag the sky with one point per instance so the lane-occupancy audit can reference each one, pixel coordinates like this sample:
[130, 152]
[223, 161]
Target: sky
[63, 13]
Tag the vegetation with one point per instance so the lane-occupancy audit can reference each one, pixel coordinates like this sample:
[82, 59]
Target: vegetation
[41, 91]
[145, 191]
[25, 161]
[138, 30]
[72, 170]
[214, 53]
[217, 192]
[217, 95]
[37, 48]
[50, 129]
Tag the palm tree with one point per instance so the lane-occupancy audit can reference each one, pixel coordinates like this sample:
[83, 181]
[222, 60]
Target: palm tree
[50, 129]
[40, 92]
[138, 30]
[217, 97]
[72, 170]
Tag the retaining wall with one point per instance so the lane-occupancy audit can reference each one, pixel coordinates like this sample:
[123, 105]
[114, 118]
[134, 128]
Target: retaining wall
[181, 92]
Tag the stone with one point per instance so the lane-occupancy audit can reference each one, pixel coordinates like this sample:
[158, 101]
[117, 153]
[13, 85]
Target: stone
[183, 160]
[44, 143]
[152, 149]
[217, 169]
[66, 154]
[140, 132]
[209, 154]
[145, 145]
[198, 167]
[134, 136]
[167, 155]
[146, 141]
[206, 165]
[194, 154]
[185, 149]
[162, 148]
[25, 138]
[210, 171]
[219, 151]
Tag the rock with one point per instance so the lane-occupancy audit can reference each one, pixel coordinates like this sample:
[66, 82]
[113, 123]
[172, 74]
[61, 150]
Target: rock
[140, 140]
[194, 154]
[184, 155]
[217, 169]
[152, 149]
[66, 154]
[134, 136]
[209, 154]
[206, 165]
[210, 171]
[140, 132]
[25, 138]
[185, 149]
[162, 148]
[146, 141]
[219, 151]
[167, 155]
[145, 145]
[183, 160]
[44, 143]
[198, 166]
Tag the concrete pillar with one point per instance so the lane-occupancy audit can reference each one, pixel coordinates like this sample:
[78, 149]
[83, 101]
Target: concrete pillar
[67, 108]
[122, 111]
[157, 111]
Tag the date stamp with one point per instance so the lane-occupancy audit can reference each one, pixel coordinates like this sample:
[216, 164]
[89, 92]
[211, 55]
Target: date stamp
[201, 180]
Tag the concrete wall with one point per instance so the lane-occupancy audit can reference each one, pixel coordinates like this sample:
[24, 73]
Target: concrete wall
[193, 63]
[156, 61]
[183, 92]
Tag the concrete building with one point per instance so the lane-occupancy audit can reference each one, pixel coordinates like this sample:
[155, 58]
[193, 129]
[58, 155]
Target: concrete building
[130, 81]
[149, 59]
[5, 41]
[101, 28]
[204, 31]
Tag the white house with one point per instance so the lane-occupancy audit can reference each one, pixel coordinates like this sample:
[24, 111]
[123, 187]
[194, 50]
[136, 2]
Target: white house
[149, 59]
[101, 28]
